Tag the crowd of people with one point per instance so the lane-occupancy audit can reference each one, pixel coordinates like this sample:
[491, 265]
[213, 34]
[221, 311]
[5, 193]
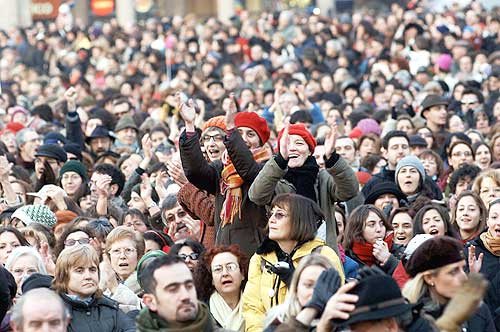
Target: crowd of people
[274, 172]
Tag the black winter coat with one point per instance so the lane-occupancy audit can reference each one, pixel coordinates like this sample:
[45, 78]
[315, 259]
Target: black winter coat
[100, 315]
[491, 270]
[247, 231]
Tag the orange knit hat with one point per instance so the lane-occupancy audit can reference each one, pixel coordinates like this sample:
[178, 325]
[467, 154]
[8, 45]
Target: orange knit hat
[217, 122]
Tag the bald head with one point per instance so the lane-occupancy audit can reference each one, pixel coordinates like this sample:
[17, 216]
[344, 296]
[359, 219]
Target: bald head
[40, 309]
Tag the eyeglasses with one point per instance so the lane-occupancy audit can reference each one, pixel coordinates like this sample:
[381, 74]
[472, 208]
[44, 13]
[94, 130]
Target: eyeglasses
[192, 256]
[171, 217]
[127, 251]
[230, 267]
[216, 138]
[137, 223]
[70, 243]
[469, 102]
[278, 214]
[460, 154]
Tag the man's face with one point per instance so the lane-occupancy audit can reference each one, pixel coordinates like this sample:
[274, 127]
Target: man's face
[40, 165]
[120, 110]
[175, 295]
[470, 102]
[31, 144]
[345, 148]
[216, 91]
[436, 115]
[177, 220]
[397, 149]
[127, 136]
[213, 142]
[42, 315]
[99, 145]
[157, 138]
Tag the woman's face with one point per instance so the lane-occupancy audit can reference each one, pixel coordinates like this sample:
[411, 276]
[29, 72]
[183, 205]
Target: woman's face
[456, 124]
[298, 151]
[226, 273]
[489, 190]
[430, 165]
[460, 155]
[467, 215]
[367, 147]
[385, 200]
[71, 182]
[432, 223]
[86, 203]
[123, 254]
[83, 280]
[483, 157]
[448, 279]
[136, 202]
[151, 245]
[22, 268]
[402, 223]
[426, 134]
[190, 257]
[405, 125]
[8, 242]
[408, 180]
[494, 221]
[306, 283]
[340, 224]
[279, 225]
[374, 229]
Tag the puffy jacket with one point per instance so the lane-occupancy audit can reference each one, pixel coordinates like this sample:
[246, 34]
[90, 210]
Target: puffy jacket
[491, 270]
[337, 183]
[263, 287]
[100, 315]
[247, 229]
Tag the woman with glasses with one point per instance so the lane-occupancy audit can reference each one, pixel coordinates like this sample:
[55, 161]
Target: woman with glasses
[77, 282]
[23, 262]
[77, 235]
[124, 249]
[292, 226]
[459, 153]
[487, 185]
[189, 251]
[220, 279]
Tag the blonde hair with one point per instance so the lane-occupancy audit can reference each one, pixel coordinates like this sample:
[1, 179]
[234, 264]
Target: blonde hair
[493, 174]
[417, 287]
[291, 306]
[124, 233]
[72, 257]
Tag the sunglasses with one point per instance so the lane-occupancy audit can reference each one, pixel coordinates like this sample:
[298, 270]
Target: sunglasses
[70, 243]
[193, 256]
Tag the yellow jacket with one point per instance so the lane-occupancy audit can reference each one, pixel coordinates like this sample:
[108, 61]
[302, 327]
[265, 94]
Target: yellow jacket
[261, 290]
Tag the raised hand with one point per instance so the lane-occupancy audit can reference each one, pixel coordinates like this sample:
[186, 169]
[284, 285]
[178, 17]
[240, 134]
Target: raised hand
[147, 146]
[146, 188]
[50, 266]
[5, 168]
[103, 185]
[381, 251]
[187, 111]
[107, 274]
[231, 112]
[194, 227]
[330, 140]
[339, 306]
[70, 96]
[284, 142]
[177, 172]
[475, 264]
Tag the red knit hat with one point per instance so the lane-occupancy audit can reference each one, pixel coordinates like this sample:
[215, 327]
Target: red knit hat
[301, 130]
[13, 127]
[216, 121]
[253, 121]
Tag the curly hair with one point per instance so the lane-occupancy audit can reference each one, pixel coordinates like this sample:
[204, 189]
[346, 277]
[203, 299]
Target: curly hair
[203, 274]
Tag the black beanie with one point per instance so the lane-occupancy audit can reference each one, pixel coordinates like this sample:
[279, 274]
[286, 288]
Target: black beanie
[44, 111]
[36, 280]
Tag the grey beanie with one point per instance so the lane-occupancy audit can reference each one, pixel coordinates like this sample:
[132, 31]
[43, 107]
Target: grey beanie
[410, 161]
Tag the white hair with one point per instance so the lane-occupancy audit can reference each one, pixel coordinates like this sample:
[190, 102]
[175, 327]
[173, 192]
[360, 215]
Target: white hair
[25, 251]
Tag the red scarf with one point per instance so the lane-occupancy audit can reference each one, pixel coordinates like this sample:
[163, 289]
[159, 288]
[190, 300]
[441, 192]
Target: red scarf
[470, 238]
[364, 250]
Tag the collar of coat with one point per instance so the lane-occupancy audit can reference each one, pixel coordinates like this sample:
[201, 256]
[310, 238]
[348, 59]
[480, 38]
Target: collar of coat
[272, 251]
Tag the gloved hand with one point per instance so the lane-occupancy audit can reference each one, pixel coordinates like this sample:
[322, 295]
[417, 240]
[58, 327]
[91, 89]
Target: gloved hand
[327, 284]
[463, 305]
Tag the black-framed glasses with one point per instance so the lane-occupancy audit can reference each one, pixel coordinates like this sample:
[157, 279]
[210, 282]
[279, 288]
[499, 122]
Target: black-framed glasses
[192, 256]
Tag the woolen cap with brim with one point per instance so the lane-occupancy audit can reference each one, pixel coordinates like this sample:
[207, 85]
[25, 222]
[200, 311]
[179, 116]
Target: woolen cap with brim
[383, 188]
[126, 122]
[379, 297]
[417, 140]
[42, 193]
[100, 132]
[52, 151]
[36, 280]
[253, 121]
[432, 100]
[435, 253]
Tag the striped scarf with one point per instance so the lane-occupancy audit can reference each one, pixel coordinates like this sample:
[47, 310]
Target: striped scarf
[231, 183]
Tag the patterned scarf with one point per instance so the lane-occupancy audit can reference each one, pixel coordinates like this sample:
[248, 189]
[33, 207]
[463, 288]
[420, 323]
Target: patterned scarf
[491, 243]
[231, 183]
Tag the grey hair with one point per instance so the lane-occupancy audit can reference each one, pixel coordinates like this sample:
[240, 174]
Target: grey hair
[25, 251]
[21, 136]
[35, 295]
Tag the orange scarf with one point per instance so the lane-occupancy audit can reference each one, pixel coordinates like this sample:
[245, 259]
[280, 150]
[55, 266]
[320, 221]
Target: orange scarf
[231, 183]
[491, 243]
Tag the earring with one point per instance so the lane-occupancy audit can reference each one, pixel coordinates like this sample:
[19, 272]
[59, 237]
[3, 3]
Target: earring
[432, 284]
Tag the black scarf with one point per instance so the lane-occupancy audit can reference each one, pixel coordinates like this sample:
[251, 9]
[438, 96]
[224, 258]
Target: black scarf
[304, 178]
